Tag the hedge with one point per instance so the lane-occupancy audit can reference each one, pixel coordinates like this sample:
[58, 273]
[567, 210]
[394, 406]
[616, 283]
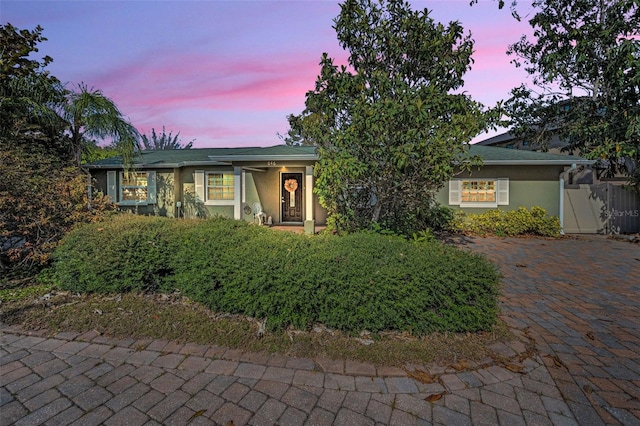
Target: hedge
[352, 282]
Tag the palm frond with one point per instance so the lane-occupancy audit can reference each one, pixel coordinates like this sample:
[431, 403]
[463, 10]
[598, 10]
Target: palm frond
[164, 141]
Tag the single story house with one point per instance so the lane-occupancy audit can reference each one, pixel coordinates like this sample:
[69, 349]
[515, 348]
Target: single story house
[276, 183]
[242, 183]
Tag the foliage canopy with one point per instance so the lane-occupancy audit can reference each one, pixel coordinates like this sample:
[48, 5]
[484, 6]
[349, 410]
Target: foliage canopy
[392, 126]
[88, 115]
[45, 130]
[39, 113]
[28, 94]
[585, 68]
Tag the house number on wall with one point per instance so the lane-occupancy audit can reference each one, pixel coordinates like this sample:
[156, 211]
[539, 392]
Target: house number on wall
[271, 163]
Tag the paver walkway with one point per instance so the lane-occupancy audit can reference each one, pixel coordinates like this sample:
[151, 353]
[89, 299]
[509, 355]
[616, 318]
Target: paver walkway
[91, 380]
[577, 298]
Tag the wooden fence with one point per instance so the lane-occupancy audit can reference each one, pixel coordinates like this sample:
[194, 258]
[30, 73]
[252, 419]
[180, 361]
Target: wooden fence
[601, 208]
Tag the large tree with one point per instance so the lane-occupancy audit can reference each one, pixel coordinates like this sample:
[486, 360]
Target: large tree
[163, 141]
[43, 192]
[393, 126]
[38, 112]
[585, 86]
[27, 94]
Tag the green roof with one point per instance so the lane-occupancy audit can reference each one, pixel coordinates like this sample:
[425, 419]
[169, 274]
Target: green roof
[210, 156]
[203, 156]
[505, 156]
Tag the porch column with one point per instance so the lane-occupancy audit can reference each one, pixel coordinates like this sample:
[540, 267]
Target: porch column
[309, 221]
[237, 193]
[244, 187]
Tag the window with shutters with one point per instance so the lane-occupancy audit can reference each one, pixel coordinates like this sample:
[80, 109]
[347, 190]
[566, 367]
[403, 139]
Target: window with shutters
[134, 187]
[216, 188]
[130, 188]
[479, 192]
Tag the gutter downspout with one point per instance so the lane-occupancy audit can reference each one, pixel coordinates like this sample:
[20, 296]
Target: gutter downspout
[561, 209]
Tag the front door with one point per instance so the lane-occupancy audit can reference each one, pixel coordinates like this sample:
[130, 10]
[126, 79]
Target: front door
[291, 197]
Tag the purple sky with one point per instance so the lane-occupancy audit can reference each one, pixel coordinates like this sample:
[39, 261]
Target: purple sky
[227, 73]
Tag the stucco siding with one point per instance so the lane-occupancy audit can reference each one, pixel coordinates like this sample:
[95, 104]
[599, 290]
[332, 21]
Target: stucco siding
[178, 185]
[165, 205]
[516, 173]
[320, 212]
[545, 194]
[268, 185]
[165, 193]
[527, 194]
[251, 196]
[262, 187]
[226, 211]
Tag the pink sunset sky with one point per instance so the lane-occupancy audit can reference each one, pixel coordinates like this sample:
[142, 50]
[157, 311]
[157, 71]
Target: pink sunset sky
[227, 73]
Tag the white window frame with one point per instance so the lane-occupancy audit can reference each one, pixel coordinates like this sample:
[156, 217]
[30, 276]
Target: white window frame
[501, 186]
[115, 188]
[202, 187]
[230, 188]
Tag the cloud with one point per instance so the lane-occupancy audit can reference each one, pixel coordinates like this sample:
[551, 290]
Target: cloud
[252, 95]
[215, 83]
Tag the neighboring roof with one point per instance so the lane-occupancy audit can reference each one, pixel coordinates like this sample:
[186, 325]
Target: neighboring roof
[207, 156]
[553, 141]
[491, 155]
[503, 137]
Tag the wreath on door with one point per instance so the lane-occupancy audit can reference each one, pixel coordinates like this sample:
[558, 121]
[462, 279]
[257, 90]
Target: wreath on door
[291, 185]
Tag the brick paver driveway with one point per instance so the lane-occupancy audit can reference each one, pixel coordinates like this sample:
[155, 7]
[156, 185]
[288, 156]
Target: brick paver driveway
[579, 299]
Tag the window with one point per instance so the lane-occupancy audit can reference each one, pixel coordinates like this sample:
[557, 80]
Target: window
[479, 192]
[220, 186]
[216, 188]
[131, 187]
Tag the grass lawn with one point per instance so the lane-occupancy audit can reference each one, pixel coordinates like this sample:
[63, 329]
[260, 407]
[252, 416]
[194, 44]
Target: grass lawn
[176, 318]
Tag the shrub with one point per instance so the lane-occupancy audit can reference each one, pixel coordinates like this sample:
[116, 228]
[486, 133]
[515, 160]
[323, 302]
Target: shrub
[510, 223]
[40, 200]
[352, 282]
[430, 216]
[126, 253]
